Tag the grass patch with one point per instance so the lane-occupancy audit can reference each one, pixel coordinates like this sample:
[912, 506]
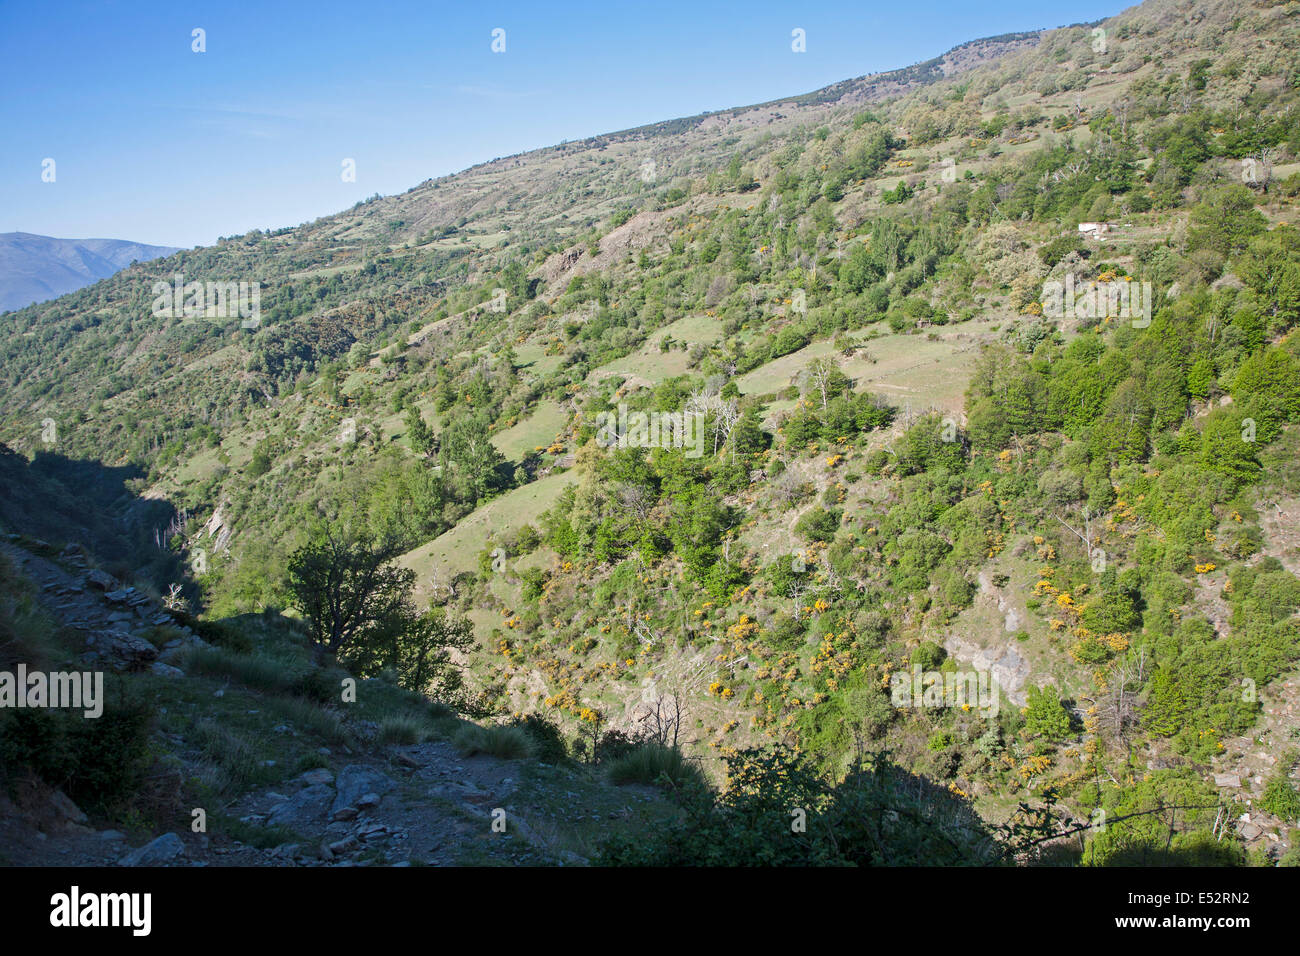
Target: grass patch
[402, 730]
[256, 835]
[277, 669]
[307, 716]
[508, 743]
[232, 763]
[655, 764]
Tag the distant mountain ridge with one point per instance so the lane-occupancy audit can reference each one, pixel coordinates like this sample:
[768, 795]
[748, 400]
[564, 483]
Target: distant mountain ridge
[36, 268]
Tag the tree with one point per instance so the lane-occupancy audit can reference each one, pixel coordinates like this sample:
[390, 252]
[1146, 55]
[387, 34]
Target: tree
[1272, 271]
[346, 586]
[418, 648]
[419, 433]
[468, 454]
[1046, 715]
[1225, 221]
[824, 379]
[1224, 447]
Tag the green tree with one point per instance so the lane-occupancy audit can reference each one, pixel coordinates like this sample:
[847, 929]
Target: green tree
[419, 433]
[1225, 221]
[346, 586]
[419, 648]
[1045, 715]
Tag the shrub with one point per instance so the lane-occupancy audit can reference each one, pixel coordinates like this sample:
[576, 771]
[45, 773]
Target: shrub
[615, 744]
[508, 743]
[1280, 796]
[818, 524]
[401, 730]
[877, 815]
[929, 655]
[657, 764]
[548, 742]
[99, 763]
[1046, 715]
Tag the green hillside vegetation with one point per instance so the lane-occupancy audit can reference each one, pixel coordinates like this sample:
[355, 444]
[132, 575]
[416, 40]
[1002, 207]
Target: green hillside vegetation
[906, 458]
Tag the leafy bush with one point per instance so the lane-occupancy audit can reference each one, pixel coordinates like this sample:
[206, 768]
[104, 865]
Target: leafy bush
[779, 811]
[548, 741]
[1280, 795]
[99, 763]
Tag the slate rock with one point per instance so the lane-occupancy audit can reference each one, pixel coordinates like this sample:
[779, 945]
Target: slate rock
[166, 847]
[100, 580]
[126, 648]
[64, 806]
[356, 781]
[304, 808]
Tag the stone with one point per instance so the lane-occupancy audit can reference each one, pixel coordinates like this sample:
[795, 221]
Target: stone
[304, 808]
[159, 669]
[315, 777]
[100, 580]
[355, 781]
[126, 649]
[343, 814]
[164, 848]
[1227, 780]
[64, 806]
[367, 801]
[112, 836]
[1249, 831]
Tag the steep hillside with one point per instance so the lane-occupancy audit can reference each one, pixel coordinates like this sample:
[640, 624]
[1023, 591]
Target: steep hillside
[975, 378]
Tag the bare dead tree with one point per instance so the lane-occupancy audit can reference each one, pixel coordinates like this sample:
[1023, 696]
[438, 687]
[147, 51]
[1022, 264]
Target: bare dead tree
[662, 720]
[728, 418]
[1086, 535]
[174, 600]
[1121, 109]
[819, 373]
[1119, 706]
[636, 499]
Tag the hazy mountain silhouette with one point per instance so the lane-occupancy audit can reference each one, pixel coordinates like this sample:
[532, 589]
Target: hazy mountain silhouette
[35, 268]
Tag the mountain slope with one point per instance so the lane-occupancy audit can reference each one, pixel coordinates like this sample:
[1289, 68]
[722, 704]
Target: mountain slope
[35, 268]
[908, 457]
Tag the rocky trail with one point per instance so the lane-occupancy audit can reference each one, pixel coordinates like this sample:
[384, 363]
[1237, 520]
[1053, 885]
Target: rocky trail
[385, 805]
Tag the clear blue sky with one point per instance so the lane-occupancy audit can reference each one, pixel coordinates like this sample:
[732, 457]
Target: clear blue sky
[156, 143]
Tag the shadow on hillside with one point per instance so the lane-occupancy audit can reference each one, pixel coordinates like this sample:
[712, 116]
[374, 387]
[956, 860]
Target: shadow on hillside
[67, 501]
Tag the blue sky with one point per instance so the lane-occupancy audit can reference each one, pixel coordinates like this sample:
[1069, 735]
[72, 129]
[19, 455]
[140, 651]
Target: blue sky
[156, 143]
